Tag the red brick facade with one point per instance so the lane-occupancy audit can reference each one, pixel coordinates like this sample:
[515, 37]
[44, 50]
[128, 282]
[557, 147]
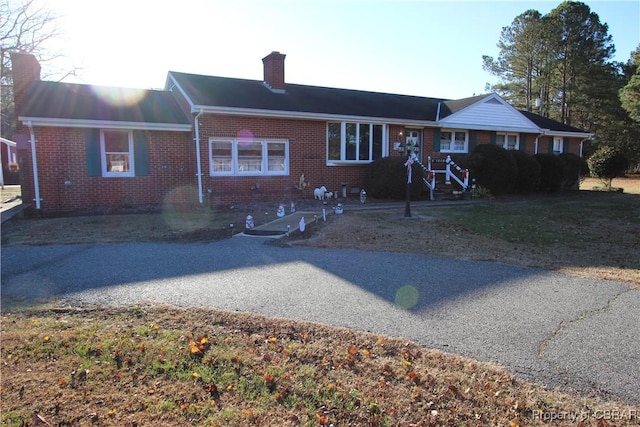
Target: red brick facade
[66, 183]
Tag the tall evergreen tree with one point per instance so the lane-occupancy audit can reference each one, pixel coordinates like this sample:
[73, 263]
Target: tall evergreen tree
[583, 48]
[559, 60]
[630, 94]
[522, 59]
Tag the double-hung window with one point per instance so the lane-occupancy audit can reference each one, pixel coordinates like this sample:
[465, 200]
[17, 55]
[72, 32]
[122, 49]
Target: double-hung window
[116, 151]
[248, 157]
[508, 141]
[557, 145]
[454, 141]
[354, 142]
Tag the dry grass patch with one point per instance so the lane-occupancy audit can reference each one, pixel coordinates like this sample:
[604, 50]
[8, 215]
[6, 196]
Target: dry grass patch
[166, 366]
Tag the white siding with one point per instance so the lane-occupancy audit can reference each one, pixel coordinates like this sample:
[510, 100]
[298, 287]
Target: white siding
[489, 114]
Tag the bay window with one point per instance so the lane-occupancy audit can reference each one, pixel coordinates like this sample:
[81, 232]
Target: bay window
[354, 142]
[248, 157]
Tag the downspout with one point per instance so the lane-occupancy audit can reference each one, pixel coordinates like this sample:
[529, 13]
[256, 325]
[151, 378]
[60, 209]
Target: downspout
[438, 113]
[582, 147]
[199, 166]
[34, 165]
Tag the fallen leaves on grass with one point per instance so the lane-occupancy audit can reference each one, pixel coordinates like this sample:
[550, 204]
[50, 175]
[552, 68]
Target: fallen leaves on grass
[245, 370]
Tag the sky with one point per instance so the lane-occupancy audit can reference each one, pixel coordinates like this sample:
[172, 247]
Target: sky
[423, 48]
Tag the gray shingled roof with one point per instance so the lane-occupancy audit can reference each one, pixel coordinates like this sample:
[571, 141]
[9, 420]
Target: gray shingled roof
[54, 100]
[547, 123]
[253, 94]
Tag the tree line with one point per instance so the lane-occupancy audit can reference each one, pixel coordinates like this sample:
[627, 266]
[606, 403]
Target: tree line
[560, 66]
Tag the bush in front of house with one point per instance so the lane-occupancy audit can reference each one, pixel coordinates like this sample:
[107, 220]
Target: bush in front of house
[552, 172]
[606, 163]
[494, 168]
[528, 178]
[575, 167]
[386, 178]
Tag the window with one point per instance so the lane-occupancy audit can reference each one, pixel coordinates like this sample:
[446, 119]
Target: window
[557, 145]
[453, 141]
[354, 142]
[116, 150]
[508, 141]
[248, 157]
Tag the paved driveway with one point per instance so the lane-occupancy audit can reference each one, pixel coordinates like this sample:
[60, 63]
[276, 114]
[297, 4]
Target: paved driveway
[550, 328]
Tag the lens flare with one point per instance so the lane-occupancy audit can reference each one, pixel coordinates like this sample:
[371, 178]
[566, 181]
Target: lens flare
[181, 210]
[245, 137]
[120, 97]
[407, 297]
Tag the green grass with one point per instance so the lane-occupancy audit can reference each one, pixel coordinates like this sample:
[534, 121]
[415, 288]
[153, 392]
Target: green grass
[541, 222]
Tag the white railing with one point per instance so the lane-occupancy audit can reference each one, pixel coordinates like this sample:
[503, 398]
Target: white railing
[451, 171]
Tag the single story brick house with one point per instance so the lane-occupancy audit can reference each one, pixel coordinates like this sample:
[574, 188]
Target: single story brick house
[227, 140]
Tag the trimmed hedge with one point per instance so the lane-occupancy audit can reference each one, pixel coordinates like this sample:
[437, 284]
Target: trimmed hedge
[575, 167]
[386, 178]
[552, 172]
[528, 178]
[494, 168]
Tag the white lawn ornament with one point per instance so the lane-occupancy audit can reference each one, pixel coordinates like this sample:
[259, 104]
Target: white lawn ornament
[319, 193]
[280, 212]
[302, 225]
[248, 224]
[339, 209]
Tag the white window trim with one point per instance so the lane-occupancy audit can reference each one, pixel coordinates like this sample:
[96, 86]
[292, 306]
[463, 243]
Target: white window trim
[103, 156]
[559, 141]
[264, 161]
[343, 143]
[453, 132]
[506, 135]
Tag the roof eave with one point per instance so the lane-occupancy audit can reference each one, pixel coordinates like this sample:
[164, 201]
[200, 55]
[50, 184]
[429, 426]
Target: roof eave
[103, 124]
[303, 115]
[551, 132]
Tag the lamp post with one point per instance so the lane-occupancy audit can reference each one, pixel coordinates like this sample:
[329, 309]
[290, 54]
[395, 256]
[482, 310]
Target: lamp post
[412, 149]
[407, 206]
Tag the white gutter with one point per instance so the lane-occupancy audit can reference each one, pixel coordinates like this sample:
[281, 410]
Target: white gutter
[302, 115]
[104, 124]
[199, 166]
[34, 162]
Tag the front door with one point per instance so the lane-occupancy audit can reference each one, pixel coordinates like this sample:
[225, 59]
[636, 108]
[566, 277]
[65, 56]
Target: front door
[413, 142]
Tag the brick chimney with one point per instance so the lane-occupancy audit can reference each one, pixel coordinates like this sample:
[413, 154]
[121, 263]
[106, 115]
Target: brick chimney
[274, 71]
[25, 69]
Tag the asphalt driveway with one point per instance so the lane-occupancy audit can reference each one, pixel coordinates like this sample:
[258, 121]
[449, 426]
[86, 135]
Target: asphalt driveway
[547, 327]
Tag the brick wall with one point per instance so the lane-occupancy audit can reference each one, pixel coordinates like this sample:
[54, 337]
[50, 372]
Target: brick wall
[66, 186]
[307, 155]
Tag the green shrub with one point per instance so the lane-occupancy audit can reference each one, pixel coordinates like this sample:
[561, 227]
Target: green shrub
[528, 178]
[575, 167]
[552, 170]
[386, 178]
[493, 167]
[606, 163]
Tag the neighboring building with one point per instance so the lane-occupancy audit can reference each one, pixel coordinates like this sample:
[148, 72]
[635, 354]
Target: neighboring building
[222, 140]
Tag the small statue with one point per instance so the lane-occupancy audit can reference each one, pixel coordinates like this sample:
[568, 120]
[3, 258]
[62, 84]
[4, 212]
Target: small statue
[280, 212]
[248, 224]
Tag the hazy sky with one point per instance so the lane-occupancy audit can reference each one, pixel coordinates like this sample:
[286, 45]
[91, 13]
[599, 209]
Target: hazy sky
[426, 48]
